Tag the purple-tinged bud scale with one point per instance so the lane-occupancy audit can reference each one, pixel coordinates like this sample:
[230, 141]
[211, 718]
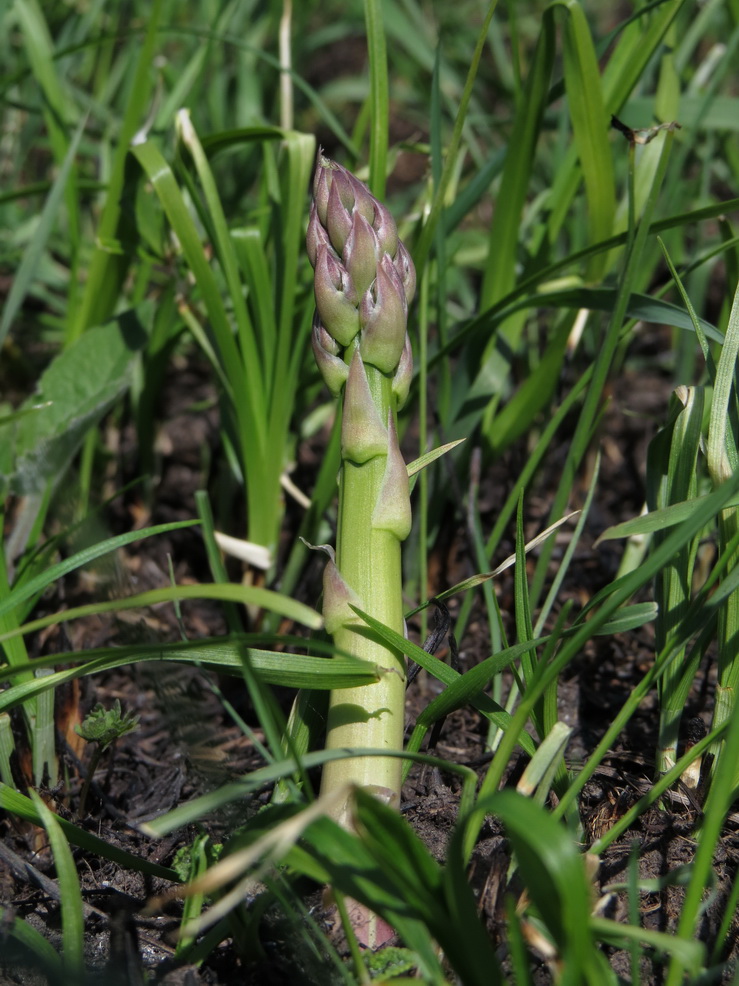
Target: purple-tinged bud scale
[403, 375]
[387, 231]
[336, 299]
[361, 253]
[363, 434]
[406, 270]
[316, 236]
[333, 369]
[383, 314]
[337, 597]
[393, 508]
[338, 218]
[321, 187]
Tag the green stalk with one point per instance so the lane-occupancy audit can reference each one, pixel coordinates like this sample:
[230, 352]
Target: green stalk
[369, 558]
[364, 280]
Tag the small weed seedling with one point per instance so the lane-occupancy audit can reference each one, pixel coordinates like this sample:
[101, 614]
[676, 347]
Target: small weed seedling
[103, 727]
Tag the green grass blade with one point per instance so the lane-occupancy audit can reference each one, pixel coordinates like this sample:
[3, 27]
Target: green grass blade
[251, 252]
[28, 267]
[634, 49]
[7, 748]
[193, 903]
[499, 276]
[59, 112]
[536, 780]
[554, 875]
[108, 267]
[658, 520]
[671, 477]
[26, 590]
[215, 558]
[721, 459]
[379, 97]
[162, 178]
[296, 166]
[625, 67]
[606, 353]
[224, 656]
[442, 898]
[428, 233]
[73, 922]
[609, 602]
[590, 127]
[688, 955]
[297, 160]
[58, 107]
[266, 599]
[224, 248]
[720, 798]
[721, 453]
[461, 688]
[43, 733]
[652, 797]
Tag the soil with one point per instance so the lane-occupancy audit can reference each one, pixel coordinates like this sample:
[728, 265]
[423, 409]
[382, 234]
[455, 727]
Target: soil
[187, 743]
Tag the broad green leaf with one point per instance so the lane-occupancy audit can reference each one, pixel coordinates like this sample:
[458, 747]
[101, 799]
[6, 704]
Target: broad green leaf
[74, 392]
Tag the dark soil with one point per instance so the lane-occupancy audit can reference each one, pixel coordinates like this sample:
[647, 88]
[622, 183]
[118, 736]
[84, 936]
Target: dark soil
[187, 743]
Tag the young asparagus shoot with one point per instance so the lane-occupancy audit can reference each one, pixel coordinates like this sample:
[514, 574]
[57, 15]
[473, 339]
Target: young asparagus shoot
[364, 282]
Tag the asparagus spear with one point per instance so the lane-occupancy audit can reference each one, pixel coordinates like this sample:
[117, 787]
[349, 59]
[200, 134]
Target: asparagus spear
[364, 282]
